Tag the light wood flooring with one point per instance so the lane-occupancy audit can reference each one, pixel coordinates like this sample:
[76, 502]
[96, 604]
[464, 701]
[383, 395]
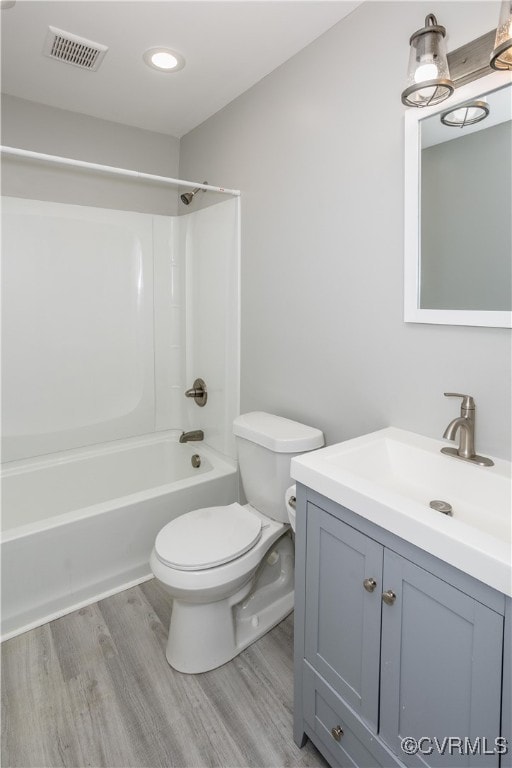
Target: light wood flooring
[94, 689]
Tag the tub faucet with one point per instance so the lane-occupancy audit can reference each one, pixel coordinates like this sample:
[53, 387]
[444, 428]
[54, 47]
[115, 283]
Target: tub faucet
[465, 426]
[196, 434]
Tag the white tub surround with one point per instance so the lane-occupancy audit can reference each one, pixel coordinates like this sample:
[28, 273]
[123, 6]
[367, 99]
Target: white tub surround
[210, 242]
[109, 316]
[77, 330]
[81, 524]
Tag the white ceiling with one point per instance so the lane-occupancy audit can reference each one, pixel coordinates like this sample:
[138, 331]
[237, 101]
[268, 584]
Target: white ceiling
[228, 46]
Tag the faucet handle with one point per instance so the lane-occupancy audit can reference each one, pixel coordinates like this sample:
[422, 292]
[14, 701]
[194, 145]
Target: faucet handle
[467, 404]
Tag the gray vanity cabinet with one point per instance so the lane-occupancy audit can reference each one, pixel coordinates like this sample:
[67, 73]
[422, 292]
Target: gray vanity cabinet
[339, 561]
[387, 649]
[441, 663]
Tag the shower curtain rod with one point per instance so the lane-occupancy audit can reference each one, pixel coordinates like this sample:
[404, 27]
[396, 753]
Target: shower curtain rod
[113, 169]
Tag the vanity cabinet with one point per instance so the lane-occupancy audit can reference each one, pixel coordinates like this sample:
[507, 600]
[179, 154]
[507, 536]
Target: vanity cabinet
[390, 643]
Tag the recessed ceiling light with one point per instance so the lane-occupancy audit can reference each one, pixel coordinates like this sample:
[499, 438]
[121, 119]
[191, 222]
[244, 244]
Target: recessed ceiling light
[164, 59]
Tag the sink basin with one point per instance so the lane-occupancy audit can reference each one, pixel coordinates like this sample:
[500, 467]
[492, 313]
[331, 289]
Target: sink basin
[390, 477]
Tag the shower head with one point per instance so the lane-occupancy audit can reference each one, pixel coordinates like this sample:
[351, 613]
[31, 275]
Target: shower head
[186, 197]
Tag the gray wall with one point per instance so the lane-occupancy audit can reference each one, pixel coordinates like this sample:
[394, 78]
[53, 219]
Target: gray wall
[37, 127]
[317, 149]
[466, 236]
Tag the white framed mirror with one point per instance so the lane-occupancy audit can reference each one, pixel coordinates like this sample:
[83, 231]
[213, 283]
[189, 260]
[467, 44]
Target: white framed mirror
[458, 210]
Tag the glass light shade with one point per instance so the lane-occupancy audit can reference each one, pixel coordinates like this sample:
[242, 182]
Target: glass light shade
[468, 114]
[501, 57]
[428, 76]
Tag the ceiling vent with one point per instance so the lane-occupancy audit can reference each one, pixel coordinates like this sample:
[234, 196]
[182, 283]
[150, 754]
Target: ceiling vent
[74, 50]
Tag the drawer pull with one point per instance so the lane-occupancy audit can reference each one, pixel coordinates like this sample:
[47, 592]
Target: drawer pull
[369, 584]
[337, 732]
[389, 597]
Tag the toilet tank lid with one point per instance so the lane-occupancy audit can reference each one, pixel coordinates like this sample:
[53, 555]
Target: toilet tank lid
[276, 433]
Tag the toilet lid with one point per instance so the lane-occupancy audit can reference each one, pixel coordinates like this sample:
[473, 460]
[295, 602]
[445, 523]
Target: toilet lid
[207, 537]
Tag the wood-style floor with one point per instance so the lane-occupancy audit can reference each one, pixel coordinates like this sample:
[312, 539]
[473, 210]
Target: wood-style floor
[94, 689]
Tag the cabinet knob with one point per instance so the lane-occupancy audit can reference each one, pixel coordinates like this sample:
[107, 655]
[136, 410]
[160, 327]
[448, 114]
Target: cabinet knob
[389, 597]
[369, 584]
[337, 732]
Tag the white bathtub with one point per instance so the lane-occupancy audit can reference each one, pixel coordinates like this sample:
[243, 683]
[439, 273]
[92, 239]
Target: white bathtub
[78, 526]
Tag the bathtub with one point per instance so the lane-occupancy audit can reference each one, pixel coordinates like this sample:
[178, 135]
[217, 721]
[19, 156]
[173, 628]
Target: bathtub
[79, 525]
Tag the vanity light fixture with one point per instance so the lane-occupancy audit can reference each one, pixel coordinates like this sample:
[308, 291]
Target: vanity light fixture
[428, 76]
[501, 57]
[467, 114]
[164, 59]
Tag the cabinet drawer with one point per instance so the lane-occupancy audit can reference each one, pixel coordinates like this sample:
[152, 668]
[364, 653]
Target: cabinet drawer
[358, 747]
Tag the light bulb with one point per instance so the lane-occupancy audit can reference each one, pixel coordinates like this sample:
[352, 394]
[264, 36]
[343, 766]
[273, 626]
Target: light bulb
[164, 60]
[426, 71]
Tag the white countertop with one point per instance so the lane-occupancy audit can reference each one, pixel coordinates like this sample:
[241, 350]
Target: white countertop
[390, 476]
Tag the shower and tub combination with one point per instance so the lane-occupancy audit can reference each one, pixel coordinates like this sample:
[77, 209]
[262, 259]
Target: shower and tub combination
[109, 317]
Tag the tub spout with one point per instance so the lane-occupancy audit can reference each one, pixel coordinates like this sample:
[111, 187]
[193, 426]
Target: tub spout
[196, 434]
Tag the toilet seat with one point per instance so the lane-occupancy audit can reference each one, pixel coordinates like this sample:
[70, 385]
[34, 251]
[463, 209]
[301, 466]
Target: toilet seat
[208, 537]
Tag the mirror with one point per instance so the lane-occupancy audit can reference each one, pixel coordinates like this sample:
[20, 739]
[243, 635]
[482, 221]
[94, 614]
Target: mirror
[458, 203]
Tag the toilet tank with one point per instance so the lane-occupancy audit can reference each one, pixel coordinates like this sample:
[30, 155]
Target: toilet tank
[266, 444]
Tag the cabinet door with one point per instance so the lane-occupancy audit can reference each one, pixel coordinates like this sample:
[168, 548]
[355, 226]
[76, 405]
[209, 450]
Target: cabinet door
[342, 633]
[440, 668]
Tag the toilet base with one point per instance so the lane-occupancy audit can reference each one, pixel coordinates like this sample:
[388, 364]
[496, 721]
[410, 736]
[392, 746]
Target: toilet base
[205, 636]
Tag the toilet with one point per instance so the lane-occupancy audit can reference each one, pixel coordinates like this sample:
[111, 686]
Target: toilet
[230, 569]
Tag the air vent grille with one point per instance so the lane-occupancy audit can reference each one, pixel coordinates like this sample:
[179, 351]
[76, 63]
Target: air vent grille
[74, 50]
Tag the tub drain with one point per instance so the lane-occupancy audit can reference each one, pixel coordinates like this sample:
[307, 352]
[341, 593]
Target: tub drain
[442, 506]
[196, 461]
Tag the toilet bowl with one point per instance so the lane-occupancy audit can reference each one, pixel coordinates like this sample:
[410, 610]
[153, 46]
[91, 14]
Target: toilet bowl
[230, 569]
[204, 631]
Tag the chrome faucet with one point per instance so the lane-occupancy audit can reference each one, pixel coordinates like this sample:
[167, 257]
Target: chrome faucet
[196, 434]
[465, 426]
